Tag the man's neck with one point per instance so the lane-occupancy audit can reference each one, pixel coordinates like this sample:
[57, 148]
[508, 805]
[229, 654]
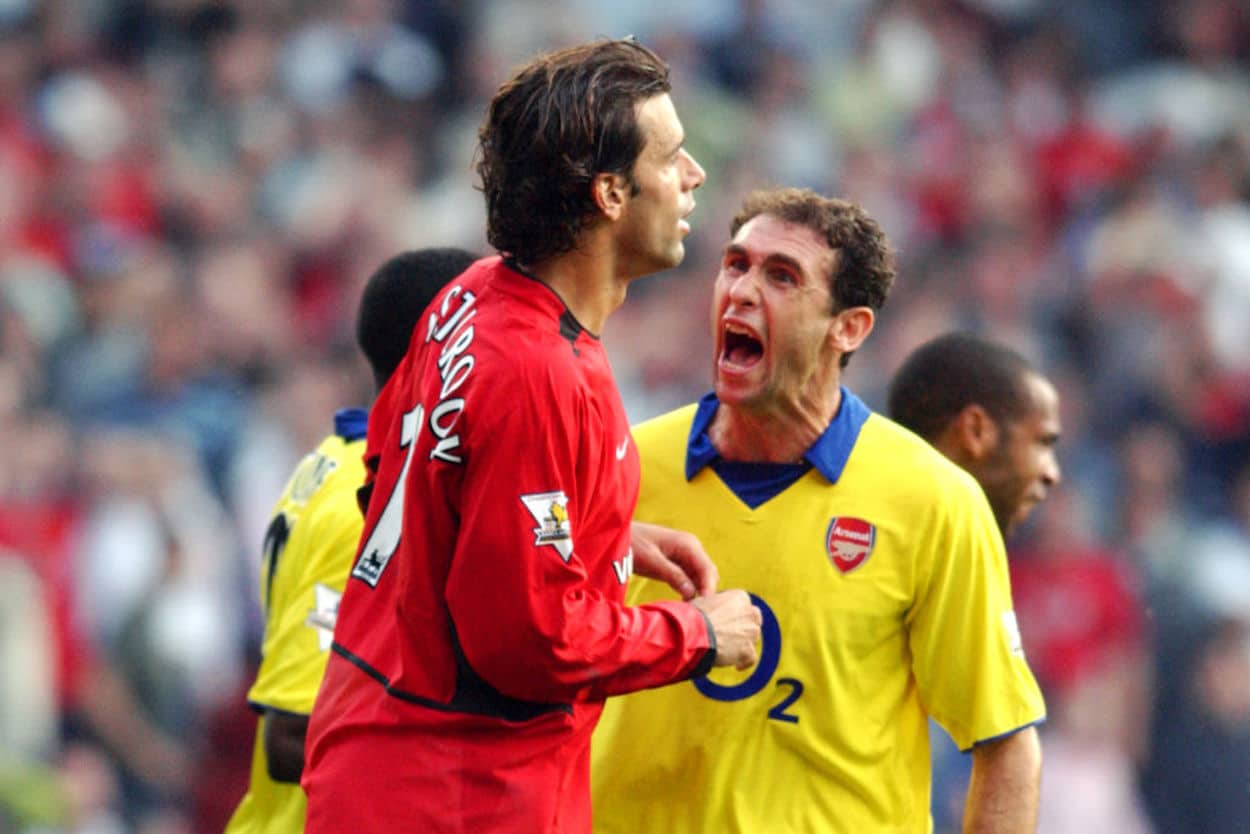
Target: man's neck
[781, 433]
[588, 281]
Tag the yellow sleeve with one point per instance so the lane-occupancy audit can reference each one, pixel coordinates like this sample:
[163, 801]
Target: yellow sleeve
[303, 599]
[966, 654]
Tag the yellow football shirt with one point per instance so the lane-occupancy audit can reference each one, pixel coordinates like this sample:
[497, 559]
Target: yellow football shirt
[885, 597]
[308, 552]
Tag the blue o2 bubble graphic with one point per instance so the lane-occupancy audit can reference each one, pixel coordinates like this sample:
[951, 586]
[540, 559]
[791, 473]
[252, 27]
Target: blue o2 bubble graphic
[770, 655]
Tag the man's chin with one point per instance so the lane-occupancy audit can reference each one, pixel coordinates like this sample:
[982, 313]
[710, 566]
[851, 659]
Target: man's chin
[1006, 522]
[665, 260]
[731, 392]
[1015, 521]
[676, 255]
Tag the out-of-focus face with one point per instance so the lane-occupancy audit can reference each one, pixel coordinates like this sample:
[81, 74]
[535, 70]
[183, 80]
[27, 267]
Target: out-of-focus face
[654, 226]
[771, 316]
[1023, 468]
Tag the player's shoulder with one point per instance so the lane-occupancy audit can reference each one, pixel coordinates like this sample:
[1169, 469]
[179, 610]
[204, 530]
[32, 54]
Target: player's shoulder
[665, 434]
[665, 426]
[521, 329]
[522, 361]
[915, 465]
[330, 475]
[347, 455]
[322, 486]
[662, 441]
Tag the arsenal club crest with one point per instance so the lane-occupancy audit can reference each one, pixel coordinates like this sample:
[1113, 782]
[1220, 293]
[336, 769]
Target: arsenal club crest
[849, 542]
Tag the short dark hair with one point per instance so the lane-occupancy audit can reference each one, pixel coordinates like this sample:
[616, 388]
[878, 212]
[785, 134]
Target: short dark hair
[945, 375]
[863, 271]
[394, 298]
[564, 118]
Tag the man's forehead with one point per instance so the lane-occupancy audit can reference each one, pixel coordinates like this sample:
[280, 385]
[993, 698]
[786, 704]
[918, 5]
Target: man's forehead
[766, 235]
[1043, 393]
[1041, 406]
[661, 128]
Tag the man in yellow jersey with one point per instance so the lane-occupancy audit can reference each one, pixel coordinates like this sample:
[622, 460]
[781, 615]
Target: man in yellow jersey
[876, 562]
[311, 543]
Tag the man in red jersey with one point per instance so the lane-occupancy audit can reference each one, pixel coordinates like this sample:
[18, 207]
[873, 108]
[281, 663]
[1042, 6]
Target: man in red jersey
[484, 624]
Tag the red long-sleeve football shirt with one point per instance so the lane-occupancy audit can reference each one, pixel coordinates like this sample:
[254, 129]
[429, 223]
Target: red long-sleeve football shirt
[483, 624]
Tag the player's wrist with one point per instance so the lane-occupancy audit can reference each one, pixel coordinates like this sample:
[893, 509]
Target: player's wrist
[708, 660]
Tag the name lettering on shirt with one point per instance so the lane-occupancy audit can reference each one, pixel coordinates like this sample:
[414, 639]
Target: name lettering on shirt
[455, 364]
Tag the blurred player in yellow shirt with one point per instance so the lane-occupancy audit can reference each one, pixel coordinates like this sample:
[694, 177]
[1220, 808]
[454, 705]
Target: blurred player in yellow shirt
[876, 562]
[310, 546]
[989, 410]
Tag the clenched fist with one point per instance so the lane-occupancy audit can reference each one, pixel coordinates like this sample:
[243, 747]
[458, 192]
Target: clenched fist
[736, 625]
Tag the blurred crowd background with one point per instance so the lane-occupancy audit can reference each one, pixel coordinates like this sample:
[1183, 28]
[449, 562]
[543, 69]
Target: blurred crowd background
[193, 191]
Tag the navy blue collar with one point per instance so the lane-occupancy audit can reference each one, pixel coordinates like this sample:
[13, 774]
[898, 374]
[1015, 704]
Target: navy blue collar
[828, 454]
[351, 423]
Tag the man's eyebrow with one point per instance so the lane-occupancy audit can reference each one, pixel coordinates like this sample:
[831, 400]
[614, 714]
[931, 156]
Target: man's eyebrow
[785, 260]
[773, 258]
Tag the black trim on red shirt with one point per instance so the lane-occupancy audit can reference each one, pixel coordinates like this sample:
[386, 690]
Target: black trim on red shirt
[473, 695]
[570, 327]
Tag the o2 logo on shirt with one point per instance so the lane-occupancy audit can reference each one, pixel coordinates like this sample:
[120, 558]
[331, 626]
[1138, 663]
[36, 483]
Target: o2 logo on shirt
[770, 656]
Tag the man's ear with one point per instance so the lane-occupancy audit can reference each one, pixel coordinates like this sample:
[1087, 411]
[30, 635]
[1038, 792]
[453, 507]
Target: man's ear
[610, 192]
[850, 327]
[976, 431]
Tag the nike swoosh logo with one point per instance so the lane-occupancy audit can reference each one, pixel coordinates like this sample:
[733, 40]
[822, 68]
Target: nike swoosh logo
[622, 449]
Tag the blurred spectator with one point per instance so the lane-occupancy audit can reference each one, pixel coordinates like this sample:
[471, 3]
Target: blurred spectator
[1196, 777]
[1083, 621]
[27, 652]
[1156, 526]
[155, 585]
[1228, 537]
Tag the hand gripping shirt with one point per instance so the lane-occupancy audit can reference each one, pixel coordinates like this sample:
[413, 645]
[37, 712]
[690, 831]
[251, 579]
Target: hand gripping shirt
[882, 580]
[483, 624]
[308, 550]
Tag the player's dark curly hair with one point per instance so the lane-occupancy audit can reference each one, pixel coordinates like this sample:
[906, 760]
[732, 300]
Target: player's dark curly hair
[947, 374]
[394, 298]
[863, 270]
[563, 118]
